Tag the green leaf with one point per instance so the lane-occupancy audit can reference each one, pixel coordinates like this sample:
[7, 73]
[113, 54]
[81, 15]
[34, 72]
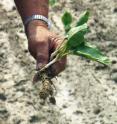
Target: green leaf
[92, 53]
[76, 36]
[52, 2]
[67, 28]
[67, 20]
[83, 18]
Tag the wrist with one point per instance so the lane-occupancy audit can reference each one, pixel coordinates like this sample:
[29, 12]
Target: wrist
[37, 17]
[35, 23]
[32, 26]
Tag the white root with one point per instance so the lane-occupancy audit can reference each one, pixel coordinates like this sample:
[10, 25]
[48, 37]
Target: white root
[49, 64]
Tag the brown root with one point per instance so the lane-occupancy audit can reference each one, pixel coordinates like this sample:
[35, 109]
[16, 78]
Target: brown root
[47, 89]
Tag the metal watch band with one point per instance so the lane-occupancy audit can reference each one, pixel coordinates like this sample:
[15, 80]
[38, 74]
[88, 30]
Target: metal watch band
[38, 17]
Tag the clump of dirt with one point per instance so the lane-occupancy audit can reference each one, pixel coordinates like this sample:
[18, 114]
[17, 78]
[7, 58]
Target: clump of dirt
[86, 91]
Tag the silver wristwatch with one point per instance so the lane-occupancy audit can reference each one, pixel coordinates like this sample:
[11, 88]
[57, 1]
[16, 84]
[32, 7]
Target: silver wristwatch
[38, 17]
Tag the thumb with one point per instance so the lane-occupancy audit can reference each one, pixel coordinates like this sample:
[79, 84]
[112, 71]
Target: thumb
[42, 55]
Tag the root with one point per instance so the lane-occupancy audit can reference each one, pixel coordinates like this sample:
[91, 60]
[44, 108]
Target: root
[47, 89]
[49, 64]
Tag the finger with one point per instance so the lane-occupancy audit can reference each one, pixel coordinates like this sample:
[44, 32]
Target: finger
[36, 78]
[31, 49]
[42, 54]
[55, 42]
[58, 67]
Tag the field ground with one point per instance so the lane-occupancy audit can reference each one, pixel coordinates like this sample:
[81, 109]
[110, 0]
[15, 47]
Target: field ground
[87, 91]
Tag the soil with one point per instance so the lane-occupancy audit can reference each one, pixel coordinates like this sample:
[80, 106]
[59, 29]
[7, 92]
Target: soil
[86, 90]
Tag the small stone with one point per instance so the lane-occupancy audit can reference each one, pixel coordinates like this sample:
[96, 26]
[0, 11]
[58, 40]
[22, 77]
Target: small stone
[97, 111]
[34, 119]
[42, 102]
[100, 67]
[64, 106]
[19, 83]
[26, 51]
[115, 10]
[114, 61]
[114, 70]
[3, 112]
[13, 8]
[2, 97]
[114, 77]
[77, 112]
[52, 100]
[2, 79]
[16, 120]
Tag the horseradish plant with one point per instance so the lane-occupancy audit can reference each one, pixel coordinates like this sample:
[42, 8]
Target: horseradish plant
[74, 43]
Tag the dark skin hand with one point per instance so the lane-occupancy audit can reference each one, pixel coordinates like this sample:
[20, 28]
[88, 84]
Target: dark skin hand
[41, 41]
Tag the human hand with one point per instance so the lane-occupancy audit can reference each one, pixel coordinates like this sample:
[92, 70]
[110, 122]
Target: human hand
[42, 44]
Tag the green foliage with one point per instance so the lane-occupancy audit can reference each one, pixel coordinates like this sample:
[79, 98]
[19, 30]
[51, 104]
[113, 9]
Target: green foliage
[91, 53]
[76, 35]
[67, 20]
[52, 2]
[83, 18]
[76, 43]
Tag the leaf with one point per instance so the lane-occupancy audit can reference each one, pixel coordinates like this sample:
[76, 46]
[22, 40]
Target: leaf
[52, 2]
[83, 18]
[92, 53]
[67, 28]
[67, 20]
[76, 36]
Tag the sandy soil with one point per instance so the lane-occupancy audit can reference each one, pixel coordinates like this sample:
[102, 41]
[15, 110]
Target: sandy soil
[87, 91]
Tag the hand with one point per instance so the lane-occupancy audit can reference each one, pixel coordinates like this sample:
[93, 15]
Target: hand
[42, 43]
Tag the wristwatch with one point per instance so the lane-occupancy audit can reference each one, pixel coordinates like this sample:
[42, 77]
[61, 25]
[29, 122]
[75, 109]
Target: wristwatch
[38, 17]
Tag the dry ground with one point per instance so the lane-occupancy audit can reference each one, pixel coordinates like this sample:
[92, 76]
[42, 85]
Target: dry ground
[87, 91]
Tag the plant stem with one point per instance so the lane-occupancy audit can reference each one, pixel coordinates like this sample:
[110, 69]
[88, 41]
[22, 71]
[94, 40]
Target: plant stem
[55, 54]
[58, 49]
[49, 64]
